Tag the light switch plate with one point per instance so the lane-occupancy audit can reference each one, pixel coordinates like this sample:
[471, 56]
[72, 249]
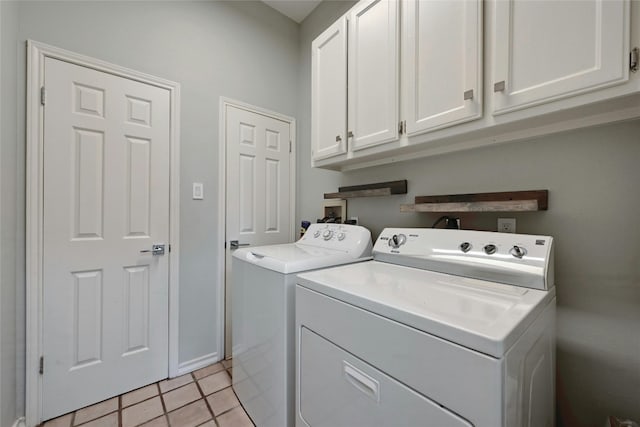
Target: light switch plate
[198, 191]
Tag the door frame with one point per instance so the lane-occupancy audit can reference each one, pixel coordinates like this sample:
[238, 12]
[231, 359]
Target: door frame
[36, 54]
[222, 193]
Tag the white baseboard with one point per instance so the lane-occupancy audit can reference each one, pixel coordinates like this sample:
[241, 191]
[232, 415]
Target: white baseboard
[197, 363]
[19, 423]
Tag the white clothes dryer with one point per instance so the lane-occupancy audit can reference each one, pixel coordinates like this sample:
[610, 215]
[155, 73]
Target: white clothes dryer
[442, 328]
[263, 316]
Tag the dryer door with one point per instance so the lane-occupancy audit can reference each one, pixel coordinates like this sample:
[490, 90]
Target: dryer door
[340, 390]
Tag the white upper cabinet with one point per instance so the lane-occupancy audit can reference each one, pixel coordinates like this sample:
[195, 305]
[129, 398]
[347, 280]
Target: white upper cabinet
[441, 63]
[399, 79]
[549, 50]
[373, 73]
[329, 92]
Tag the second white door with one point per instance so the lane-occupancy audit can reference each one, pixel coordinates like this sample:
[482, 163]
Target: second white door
[259, 187]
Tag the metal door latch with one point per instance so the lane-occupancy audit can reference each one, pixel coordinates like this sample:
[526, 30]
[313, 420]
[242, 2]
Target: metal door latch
[234, 244]
[155, 250]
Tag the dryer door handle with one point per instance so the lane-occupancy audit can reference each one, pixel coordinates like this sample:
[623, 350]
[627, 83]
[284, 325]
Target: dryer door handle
[361, 381]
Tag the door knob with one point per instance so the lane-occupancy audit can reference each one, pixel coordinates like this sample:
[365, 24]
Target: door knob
[155, 250]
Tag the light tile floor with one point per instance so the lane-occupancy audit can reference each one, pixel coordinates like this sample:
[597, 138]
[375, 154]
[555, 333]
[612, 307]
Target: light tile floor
[202, 398]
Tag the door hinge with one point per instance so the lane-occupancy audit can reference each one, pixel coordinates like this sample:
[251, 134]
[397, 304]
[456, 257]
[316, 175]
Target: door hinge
[402, 127]
[43, 95]
[634, 57]
[41, 370]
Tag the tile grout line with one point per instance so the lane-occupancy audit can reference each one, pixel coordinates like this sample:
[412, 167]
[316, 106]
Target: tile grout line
[204, 398]
[230, 409]
[164, 408]
[170, 391]
[145, 399]
[243, 409]
[120, 410]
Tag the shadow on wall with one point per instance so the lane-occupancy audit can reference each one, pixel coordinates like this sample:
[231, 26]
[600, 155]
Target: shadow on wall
[590, 361]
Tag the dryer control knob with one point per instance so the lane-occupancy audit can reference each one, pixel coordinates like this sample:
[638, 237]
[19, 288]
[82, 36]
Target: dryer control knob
[518, 251]
[465, 247]
[490, 249]
[341, 236]
[327, 234]
[317, 233]
[397, 240]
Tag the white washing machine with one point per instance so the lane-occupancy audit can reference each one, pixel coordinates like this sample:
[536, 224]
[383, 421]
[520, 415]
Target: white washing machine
[442, 328]
[263, 316]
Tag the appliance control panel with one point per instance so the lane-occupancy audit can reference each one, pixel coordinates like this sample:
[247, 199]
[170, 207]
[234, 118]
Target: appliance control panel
[344, 237]
[517, 259]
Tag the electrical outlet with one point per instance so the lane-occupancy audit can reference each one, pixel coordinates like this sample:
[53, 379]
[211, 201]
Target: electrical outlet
[507, 225]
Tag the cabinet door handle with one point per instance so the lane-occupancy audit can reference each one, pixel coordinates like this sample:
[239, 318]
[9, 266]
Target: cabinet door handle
[338, 138]
[350, 134]
[499, 87]
[468, 94]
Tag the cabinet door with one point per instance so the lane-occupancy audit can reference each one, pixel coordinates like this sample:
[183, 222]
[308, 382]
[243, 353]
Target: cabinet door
[548, 50]
[373, 73]
[441, 63]
[329, 92]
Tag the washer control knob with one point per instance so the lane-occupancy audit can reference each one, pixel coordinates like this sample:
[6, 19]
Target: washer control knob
[341, 236]
[327, 234]
[316, 234]
[518, 251]
[490, 249]
[397, 240]
[465, 247]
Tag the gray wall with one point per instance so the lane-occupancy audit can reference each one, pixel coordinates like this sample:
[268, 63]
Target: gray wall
[311, 182]
[243, 50]
[592, 176]
[9, 262]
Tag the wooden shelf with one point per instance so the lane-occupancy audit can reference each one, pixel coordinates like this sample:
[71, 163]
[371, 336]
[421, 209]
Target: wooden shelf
[509, 201]
[369, 190]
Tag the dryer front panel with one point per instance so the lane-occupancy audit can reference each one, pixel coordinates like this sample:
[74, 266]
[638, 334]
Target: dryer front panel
[338, 389]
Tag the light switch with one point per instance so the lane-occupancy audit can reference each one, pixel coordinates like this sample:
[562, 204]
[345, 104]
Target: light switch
[198, 191]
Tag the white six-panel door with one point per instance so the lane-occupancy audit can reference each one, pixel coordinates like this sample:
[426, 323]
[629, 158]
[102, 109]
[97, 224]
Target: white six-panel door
[258, 186]
[441, 63]
[373, 73]
[555, 49]
[106, 199]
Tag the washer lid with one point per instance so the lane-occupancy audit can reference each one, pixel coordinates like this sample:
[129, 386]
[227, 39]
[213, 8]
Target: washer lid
[481, 315]
[294, 257]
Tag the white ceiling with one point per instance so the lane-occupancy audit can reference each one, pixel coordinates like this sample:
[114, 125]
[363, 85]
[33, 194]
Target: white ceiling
[294, 9]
